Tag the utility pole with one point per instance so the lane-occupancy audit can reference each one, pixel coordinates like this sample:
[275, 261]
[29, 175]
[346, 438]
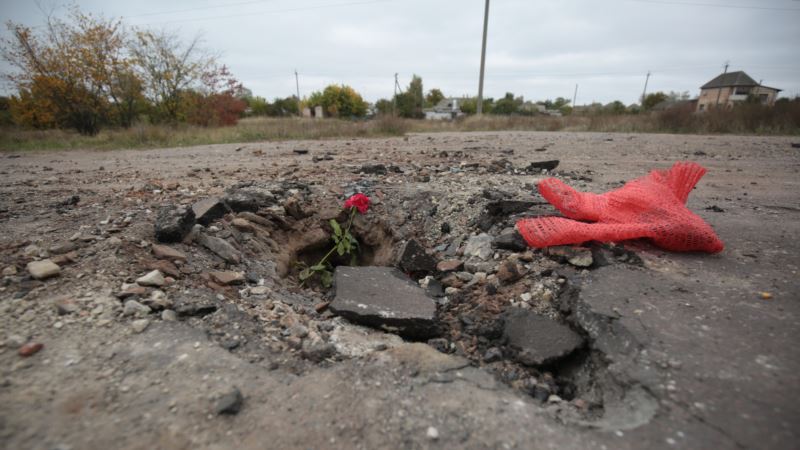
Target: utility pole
[644, 92]
[394, 97]
[574, 96]
[719, 89]
[297, 83]
[483, 58]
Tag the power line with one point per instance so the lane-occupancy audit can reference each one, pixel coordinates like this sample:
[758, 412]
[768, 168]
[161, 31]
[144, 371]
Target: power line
[176, 11]
[277, 11]
[716, 5]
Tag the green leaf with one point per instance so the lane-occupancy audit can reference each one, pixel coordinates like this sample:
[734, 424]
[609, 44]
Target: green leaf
[337, 230]
[340, 248]
[354, 259]
[319, 267]
[305, 274]
[326, 278]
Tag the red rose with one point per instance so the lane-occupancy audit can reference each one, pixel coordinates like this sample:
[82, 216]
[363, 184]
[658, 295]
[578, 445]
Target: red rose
[358, 201]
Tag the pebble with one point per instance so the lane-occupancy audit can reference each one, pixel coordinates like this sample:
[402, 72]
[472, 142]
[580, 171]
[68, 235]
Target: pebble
[66, 305]
[29, 349]
[134, 308]
[154, 278]
[259, 290]
[432, 433]
[167, 252]
[226, 278]
[9, 271]
[169, 315]
[140, 325]
[229, 403]
[42, 270]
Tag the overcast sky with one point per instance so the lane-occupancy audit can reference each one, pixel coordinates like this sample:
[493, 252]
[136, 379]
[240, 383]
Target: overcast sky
[537, 49]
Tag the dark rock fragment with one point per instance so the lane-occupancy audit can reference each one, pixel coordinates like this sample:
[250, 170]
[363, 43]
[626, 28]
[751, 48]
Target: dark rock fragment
[537, 340]
[543, 165]
[414, 258]
[208, 210]
[229, 403]
[510, 241]
[173, 223]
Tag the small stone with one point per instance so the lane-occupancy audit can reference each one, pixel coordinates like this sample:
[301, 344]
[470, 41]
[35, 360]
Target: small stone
[243, 225]
[154, 278]
[29, 349]
[220, 247]
[168, 253]
[66, 305]
[577, 256]
[526, 296]
[317, 350]
[553, 398]
[134, 308]
[173, 223]
[432, 433]
[169, 315]
[165, 267]
[479, 246]
[227, 278]
[131, 291]
[538, 166]
[493, 354]
[298, 330]
[114, 241]
[60, 249]
[208, 210]
[157, 301]
[509, 272]
[229, 403]
[248, 199]
[449, 265]
[259, 290]
[414, 258]
[139, 325]
[32, 250]
[67, 258]
[42, 270]
[9, 271]
[510, 241]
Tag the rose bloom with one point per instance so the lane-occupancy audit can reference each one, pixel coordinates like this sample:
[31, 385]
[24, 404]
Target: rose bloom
[358, 201]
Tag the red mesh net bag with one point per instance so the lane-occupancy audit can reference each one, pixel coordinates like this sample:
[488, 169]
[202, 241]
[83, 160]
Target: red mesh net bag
[653, 206]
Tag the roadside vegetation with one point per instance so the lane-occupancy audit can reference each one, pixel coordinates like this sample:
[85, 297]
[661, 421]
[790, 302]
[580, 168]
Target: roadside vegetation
[782, 119]
[89, 82]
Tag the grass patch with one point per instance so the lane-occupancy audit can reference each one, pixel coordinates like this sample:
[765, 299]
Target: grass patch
[782, 119]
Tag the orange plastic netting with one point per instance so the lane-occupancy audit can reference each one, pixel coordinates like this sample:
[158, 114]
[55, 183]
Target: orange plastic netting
[653, 206]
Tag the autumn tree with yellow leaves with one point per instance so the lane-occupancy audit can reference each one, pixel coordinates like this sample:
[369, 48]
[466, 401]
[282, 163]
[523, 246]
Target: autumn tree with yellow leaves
[87, 72]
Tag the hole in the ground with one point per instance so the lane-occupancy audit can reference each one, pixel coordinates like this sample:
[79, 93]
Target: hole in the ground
[578, 386]
[307, 247]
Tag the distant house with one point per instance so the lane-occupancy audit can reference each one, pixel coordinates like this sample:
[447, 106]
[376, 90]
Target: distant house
[730, 88]
[446, 109]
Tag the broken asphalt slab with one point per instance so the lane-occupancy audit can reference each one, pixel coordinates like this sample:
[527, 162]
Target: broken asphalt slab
[538, 340]
[383, 297]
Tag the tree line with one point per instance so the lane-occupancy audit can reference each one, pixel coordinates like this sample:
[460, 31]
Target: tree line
[87, 72]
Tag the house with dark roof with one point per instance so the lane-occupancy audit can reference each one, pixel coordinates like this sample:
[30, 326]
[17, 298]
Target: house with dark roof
[730, 88]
